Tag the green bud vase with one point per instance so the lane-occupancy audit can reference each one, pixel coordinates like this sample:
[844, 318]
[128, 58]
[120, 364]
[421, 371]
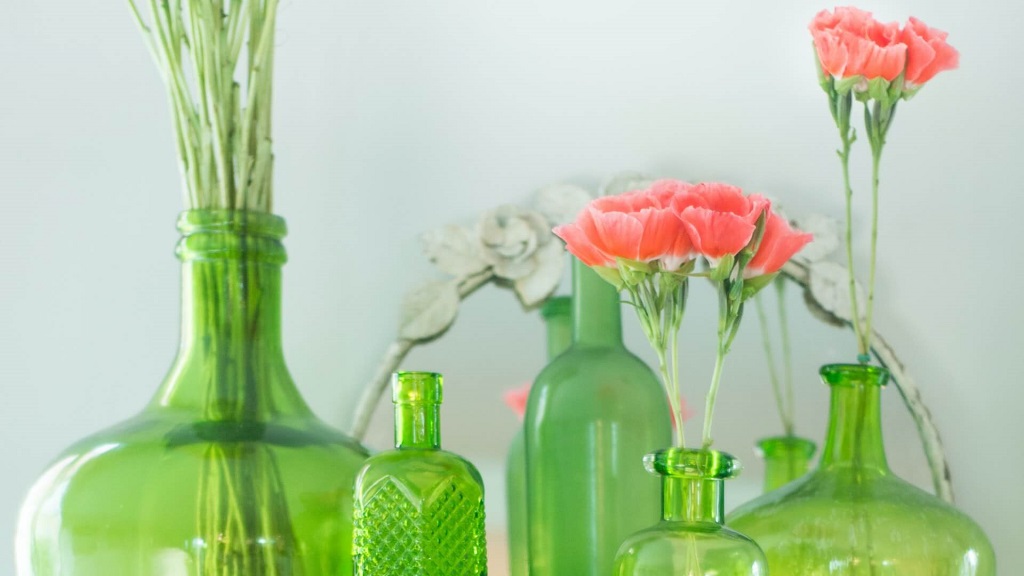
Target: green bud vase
[557, 314]
[593, 413]
[690, 539]
[419, 511]
[852, 516]
[227, 472]
[786, 458]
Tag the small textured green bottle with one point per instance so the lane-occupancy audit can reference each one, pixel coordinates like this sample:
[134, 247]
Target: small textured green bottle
[557, 314]
[786, 458]
[419, 511]
[592, 415]
[852, 516]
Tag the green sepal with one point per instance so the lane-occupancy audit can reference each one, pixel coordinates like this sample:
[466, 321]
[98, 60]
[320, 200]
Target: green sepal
[754, 285]
[610, 275]
[844, 86]
[633, 272]
[724, 268]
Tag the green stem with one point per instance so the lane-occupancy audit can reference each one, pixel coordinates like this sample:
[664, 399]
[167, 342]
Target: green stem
[770, 357]
[845, 160]
[876, 158]
[716, 377]
[787, 355]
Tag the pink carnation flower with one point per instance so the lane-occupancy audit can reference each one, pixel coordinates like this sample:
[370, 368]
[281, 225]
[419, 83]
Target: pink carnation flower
[516, 399]
[778, 244]
[850, 43]
[719, 219]
[928, 53]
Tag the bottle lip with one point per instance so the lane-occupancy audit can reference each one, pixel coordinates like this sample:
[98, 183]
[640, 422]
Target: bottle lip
[854, 375]
[785, 445]
[249, 222]
[693, 463]
[557, 306]
[417, 388]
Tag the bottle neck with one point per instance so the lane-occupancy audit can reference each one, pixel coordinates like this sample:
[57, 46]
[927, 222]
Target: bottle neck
[692, 499]
[854, 437]
[230, 363]
[558, 320]
[418, 426]
[786, 458]
[596, 309]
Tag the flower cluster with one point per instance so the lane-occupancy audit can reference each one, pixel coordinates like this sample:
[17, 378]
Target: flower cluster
[648, 242]
[875, 58]
[879, 64]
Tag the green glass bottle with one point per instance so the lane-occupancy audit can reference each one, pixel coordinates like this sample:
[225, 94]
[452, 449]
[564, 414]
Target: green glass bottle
[557, 313]
[592, 415]
[786, 458]
[690, 539]
[227, 472]
[852, 516]
[419, 511]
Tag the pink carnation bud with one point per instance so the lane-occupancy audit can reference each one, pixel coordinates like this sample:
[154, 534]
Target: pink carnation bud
[517, 397]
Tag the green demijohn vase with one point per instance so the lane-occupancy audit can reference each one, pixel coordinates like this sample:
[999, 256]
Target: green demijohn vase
[419, 511]
[852, 516]
[557, 313]
[690, 539]
[592, 415]
[786, 458]
[226, 472]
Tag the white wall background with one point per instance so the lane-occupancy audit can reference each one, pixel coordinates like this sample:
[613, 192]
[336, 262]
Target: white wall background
[394, 117]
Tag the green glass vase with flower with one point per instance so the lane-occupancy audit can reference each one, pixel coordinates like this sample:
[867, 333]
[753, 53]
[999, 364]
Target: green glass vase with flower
[852, 515]
[648, 243]
[227, 471]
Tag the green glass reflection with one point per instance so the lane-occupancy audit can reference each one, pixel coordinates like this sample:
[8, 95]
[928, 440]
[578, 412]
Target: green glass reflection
[593, 413]
[852, 516]
[419, 510]
[690, 538]
[226, 472]
[786, 458]
[557, 313]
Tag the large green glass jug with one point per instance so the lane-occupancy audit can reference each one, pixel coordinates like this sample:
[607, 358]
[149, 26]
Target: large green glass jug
[557, 314]
[592, 415]
[419, 510]
[852, 516]
[227, 472]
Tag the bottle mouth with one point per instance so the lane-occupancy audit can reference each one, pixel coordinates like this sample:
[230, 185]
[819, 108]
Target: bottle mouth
[693, 463]
[416, 388]
[231, 235]
[781, 445]
[854, 375]
[556, 306]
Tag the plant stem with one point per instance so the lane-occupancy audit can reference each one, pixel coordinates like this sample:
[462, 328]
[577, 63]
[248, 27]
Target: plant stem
[787, 355]
[716, 377]
[770, 357]
[844, 156]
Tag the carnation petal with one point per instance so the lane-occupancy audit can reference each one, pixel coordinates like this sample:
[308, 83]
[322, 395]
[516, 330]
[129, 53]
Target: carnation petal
[779, 243]
[580, 246]
[715, 234]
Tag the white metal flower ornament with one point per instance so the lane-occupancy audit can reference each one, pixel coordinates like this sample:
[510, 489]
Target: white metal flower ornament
[513, 246]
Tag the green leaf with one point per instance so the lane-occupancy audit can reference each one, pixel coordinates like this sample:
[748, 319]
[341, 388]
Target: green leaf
[754, 285]
[724, 268]
[610, 275]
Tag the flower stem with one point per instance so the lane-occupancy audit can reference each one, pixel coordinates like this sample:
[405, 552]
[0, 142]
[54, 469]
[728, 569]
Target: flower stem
[787, 355]
[769, 354]
[716, 377]
[847, 136]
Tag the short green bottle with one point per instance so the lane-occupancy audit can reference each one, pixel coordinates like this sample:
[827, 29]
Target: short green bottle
[852, 516]
[557, 313]
[592, 415]
[786, 458]
[419, 510]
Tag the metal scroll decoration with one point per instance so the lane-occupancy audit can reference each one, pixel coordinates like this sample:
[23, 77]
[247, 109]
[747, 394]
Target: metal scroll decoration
[512, 247]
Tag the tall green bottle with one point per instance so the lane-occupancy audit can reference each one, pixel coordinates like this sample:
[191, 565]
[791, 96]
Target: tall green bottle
[557, 314]
[419, 510]
[852, 516]
[226, 472]
[593, 414]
